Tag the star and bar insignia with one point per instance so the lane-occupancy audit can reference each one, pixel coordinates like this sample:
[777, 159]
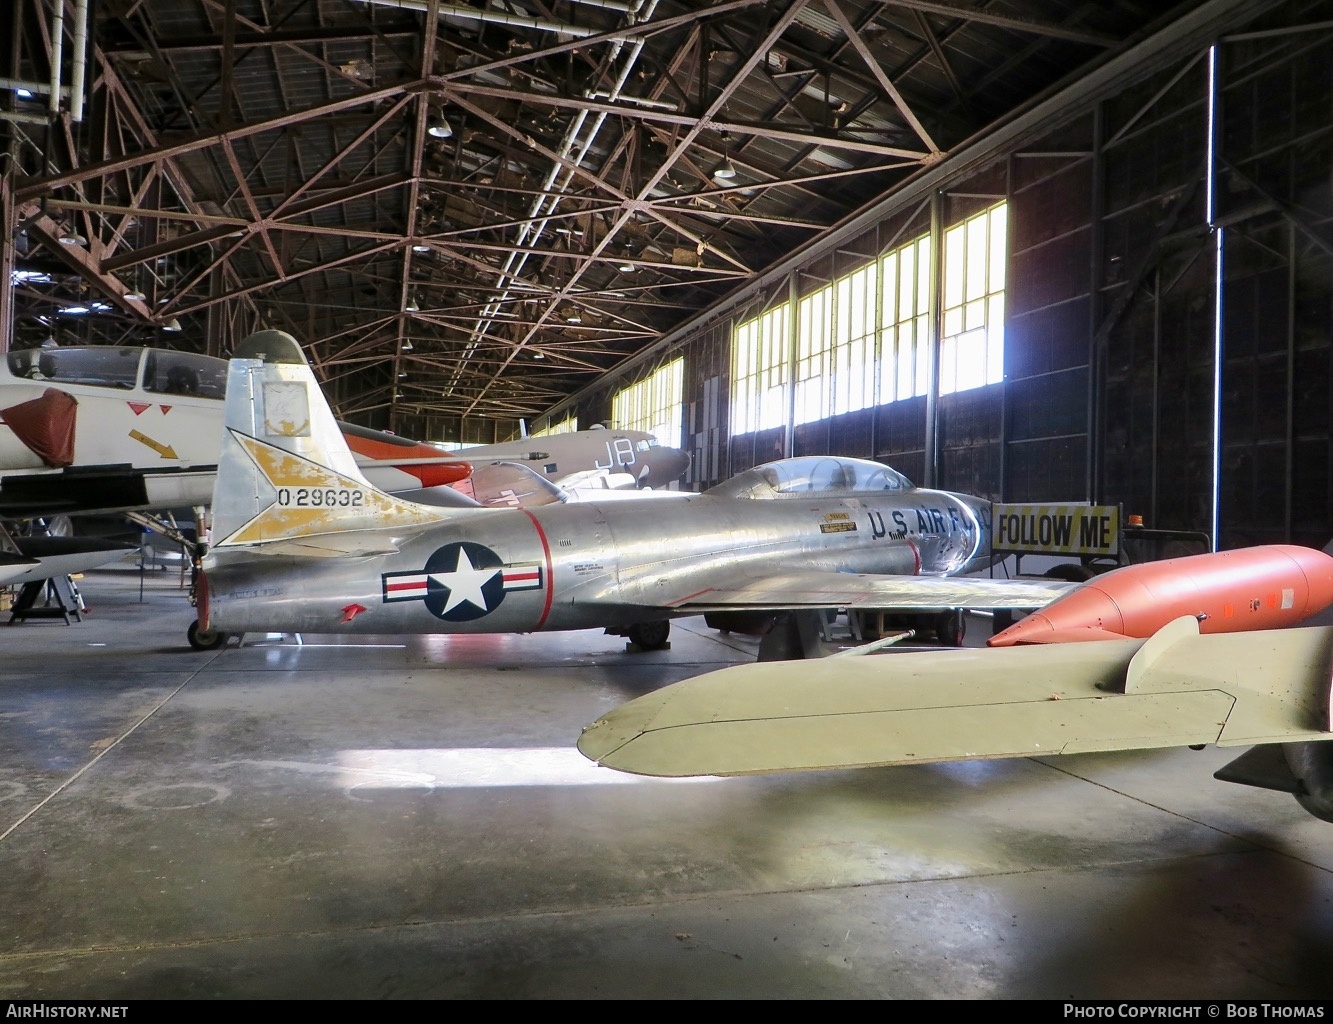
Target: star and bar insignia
[461, 581]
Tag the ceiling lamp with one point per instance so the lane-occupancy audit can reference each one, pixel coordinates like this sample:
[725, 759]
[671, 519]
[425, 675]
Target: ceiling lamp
[573, 318]
[72, 238]
[412, 306]
[626, 267]
[539, 355]
[407, 345]
[172, 325]
[421, 247]
[726, 170]
[440, 129]
[135, 295]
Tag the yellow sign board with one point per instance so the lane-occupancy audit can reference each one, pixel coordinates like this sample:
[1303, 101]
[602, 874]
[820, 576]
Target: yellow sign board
[1057, 529]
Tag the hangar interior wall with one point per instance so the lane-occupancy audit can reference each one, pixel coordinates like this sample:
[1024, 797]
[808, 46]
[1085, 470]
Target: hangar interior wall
[1111, 303]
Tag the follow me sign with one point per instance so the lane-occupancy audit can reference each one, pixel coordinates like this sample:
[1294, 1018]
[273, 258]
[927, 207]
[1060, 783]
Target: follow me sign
[1058, 529]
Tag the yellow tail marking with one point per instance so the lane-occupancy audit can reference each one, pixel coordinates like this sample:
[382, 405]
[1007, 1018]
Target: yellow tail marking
[312, 499]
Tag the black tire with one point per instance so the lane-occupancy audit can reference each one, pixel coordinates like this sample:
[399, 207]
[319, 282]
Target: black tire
[649, 636]
[747, 623]
[950, 628]
[204, 639]
[1070, 572]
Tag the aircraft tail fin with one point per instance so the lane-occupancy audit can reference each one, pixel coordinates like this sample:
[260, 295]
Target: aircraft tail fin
[285, 472]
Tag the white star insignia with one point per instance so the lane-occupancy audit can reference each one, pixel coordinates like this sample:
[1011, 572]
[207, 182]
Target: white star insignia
[465, 583]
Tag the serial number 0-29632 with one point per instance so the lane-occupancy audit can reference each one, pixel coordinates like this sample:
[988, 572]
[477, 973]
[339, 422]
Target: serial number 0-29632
[321, 497]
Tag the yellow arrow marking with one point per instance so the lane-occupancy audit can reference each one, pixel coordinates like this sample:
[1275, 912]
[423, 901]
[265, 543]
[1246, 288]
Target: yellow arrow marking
[165, 450]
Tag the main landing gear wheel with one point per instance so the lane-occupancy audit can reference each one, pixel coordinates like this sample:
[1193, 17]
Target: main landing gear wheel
[1070, 572]
[204, 639]
[649, 636]
[950, 627]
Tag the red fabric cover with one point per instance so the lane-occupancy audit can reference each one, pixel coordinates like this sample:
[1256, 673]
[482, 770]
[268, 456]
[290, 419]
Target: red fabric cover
[46, 426]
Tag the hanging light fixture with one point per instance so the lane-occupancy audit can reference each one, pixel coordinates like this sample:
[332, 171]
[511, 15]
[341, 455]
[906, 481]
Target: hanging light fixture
[412, 306]
[726, 170]
[440, 129]
[73, 238]
[172, 325]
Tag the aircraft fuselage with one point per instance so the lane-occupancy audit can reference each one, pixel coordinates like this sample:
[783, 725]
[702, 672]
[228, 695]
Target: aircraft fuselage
[583, 565]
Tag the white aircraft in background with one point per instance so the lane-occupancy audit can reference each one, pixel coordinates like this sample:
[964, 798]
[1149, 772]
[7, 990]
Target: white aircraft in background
[582, 464]
[109, 429]
[135, 432]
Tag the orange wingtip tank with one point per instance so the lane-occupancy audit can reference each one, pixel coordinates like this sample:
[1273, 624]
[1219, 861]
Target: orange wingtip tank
[425, 462]
[1265, 587]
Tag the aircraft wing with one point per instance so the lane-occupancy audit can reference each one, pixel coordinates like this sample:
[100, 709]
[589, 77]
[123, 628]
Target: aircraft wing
[91, 490]
[40, 558]
[815, 588]
[14, 568]
[1175, 689]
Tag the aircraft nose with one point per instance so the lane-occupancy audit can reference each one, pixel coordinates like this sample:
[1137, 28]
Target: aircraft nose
[667, 464]
[981, 509]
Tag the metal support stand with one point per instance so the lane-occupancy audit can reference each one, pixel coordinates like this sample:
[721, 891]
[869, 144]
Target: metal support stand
[61, 601]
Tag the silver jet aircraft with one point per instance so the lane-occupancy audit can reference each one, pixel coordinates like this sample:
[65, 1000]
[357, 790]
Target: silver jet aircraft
[303, 544]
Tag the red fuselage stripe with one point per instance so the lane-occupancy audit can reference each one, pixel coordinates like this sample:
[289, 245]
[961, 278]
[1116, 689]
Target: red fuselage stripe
[550, 576]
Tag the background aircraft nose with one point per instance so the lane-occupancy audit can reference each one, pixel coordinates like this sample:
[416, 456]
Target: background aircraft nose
[664, 466]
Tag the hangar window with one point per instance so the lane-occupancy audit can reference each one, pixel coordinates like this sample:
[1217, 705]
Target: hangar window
[853, 354]
[814, 333]
[835, 346]
[864, 339]
[904, 355]
[653, 404]
[972, 338]
[759, 372]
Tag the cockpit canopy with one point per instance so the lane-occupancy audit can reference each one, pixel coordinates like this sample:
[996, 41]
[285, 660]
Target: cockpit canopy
[812, 474]
[163, 371]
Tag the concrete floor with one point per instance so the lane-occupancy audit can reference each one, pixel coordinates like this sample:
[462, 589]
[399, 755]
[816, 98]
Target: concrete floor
[408, 817]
